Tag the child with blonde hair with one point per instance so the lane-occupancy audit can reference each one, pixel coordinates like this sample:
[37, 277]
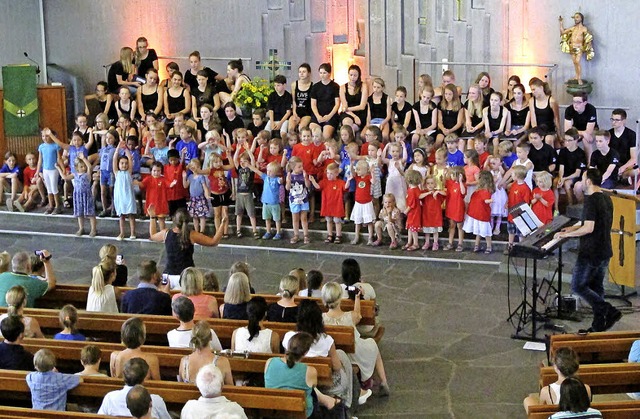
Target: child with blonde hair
[270, 199]
[478, 218]
[84, 205]
[454, 211]
[298, 186]
[332, 209]
[44, 395]
[363, 213]
[390, 220]
[432, 200]
[518, 192]
[413, 209]
[395, 178]
[543, 197]
[499, 197]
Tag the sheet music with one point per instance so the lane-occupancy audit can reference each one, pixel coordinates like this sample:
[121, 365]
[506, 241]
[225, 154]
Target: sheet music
[524, 218]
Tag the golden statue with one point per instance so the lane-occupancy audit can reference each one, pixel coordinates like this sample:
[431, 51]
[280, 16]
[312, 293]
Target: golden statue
[577, 40]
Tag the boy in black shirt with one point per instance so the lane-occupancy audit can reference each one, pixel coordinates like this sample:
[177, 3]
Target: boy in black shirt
[279, 108]
[12, 355]
[623, 140]
[571, 162]
[541, 154]
[582, 116]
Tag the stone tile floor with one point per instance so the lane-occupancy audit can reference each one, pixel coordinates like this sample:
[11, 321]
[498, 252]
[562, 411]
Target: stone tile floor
[447, 347]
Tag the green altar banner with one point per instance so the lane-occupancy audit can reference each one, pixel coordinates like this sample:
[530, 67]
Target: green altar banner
[20, 100]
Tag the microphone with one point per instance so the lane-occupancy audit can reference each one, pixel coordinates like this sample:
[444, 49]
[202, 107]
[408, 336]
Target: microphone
[33, 61]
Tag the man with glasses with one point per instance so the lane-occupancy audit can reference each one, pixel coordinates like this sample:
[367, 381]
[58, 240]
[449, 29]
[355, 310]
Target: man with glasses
[582, 116]
[623, 140]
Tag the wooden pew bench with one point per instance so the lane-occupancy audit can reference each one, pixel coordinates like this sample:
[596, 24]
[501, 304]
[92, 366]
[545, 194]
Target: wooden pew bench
[602, 378]
[68, 358]
[627, 409]
[268, 402]
[77, 295]
[106, 327]
[597, 347]
[9, 412]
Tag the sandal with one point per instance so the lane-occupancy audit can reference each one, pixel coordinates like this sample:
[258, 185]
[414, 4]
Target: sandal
[294, 240]
[435, 246]
[329, 239]
[459, 248]
[476, 249]
[425, 246]
[487, 251]
[306, 240]
[338, 240]
[449, 246]
[239, 234]
[256, 235]
[412, 248]
[393, 245]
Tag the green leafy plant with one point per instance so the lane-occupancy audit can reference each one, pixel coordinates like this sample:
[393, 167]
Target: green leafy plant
[254, 94]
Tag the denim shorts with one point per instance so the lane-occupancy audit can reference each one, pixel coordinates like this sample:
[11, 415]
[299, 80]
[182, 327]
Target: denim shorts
[297, 208]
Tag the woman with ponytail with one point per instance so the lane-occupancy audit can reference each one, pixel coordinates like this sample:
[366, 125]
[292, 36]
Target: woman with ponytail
[285, 309]
[16, 299]
[178, 242]
[103, 295]
[255, 338]
[203, 355]
[69, 320]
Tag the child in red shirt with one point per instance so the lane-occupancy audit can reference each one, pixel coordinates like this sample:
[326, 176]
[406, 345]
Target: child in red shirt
[413, 209]
[156, 187]
[332, 208]
[220, 191]
[456, 191]
[518, 193]
[176, 194]
[543, 197]
[432, 201]
[362, 213]
[33, 185]
[478, 219]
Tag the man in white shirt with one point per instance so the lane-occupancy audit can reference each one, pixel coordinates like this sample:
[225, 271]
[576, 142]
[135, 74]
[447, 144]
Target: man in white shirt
[183, 310]
[209, 381]
[115, 402]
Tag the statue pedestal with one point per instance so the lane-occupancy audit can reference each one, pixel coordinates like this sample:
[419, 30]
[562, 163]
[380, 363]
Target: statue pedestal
[574, 87]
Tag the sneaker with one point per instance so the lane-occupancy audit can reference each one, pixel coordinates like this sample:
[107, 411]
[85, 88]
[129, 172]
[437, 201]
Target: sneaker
[267, 236]
[18, 205]
[363, 399]
[496, 231]
[132, 237]
[120, 238]
[10, 204]
[79, 232]
[611, 318]
[556, 213]
[384, 390]
[278, 236]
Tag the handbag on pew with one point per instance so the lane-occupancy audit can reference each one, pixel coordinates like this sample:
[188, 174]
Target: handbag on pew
[339, 411]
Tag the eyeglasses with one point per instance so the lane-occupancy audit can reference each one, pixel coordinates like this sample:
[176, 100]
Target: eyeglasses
[615, 119]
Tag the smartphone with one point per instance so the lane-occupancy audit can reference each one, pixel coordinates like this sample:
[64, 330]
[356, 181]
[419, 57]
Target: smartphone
[165, 279]
[38, 253]
[119, 259]
[352, 288]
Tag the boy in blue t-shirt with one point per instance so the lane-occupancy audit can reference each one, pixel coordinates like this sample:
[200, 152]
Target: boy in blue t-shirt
[455, 157]
[48, 153]
[186, 146]
[271, 199]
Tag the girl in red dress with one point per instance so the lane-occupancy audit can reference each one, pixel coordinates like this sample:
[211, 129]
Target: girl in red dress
[478, 219]
[413, 209]
[454, 185]
[156, 193]
[543, 197]
[432, 201]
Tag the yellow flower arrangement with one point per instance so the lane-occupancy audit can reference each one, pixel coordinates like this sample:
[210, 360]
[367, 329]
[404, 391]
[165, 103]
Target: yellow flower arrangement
[254, 94]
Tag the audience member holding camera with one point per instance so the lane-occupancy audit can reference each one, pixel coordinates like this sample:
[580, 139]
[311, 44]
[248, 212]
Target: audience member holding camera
[20, 275]
[148, 297]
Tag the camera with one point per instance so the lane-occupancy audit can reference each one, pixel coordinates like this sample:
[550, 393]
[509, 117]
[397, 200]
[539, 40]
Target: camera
[165, 279]
[119, 259]
[352, 288]
[40, 254]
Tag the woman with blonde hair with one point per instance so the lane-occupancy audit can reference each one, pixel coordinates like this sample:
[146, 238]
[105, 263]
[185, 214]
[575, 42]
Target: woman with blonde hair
[285, 309]
[16, 299]
[236, 297]
[122, 272]
[123, 72]
[103, 295]
[5, 262]
[366, 355]
[203, 355]
[192, 286]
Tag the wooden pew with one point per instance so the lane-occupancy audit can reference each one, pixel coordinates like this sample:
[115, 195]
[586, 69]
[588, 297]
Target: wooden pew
[77, 295]
[68, 358]
[268, 402]
[9, 412]
[602, 378]
[106, 327]
[627, 409]
[597, 347]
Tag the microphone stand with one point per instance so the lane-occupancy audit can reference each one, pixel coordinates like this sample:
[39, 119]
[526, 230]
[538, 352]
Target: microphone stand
[36, 63]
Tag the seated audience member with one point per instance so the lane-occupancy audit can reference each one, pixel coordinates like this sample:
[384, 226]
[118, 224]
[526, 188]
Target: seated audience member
[352, 277]
[13, 356]
[183, 310]
[5, 262]
[49, 387]
[90, 357]
[202, 355]
[623, 140]
[139, 402]
[236, 297]
[211, 282]
[69, 320]
[366, 355]
[103, 295]
[122, 272]
[582, 116]
[634, 356]
[192, 286]
[288, 373]
[16, 299]
[243, 267]
[314, 285]
[565, 364]
[603, 158]
[575, 401]
[115, 402]
[133, 335]
[147, 298]
[20, 275]
[212, 404]
[285, 309]
[310, 321]
[255, 338]
[301, 275]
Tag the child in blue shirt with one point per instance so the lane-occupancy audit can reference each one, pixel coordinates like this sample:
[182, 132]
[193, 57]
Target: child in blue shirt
[161, 149]
[455, 157]
[186, 146]
[271, 199]
[10, 178]
[48, 387]
[199, 194]
[345, 169]
[48, 153]
[75, 148]
[505, 151]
